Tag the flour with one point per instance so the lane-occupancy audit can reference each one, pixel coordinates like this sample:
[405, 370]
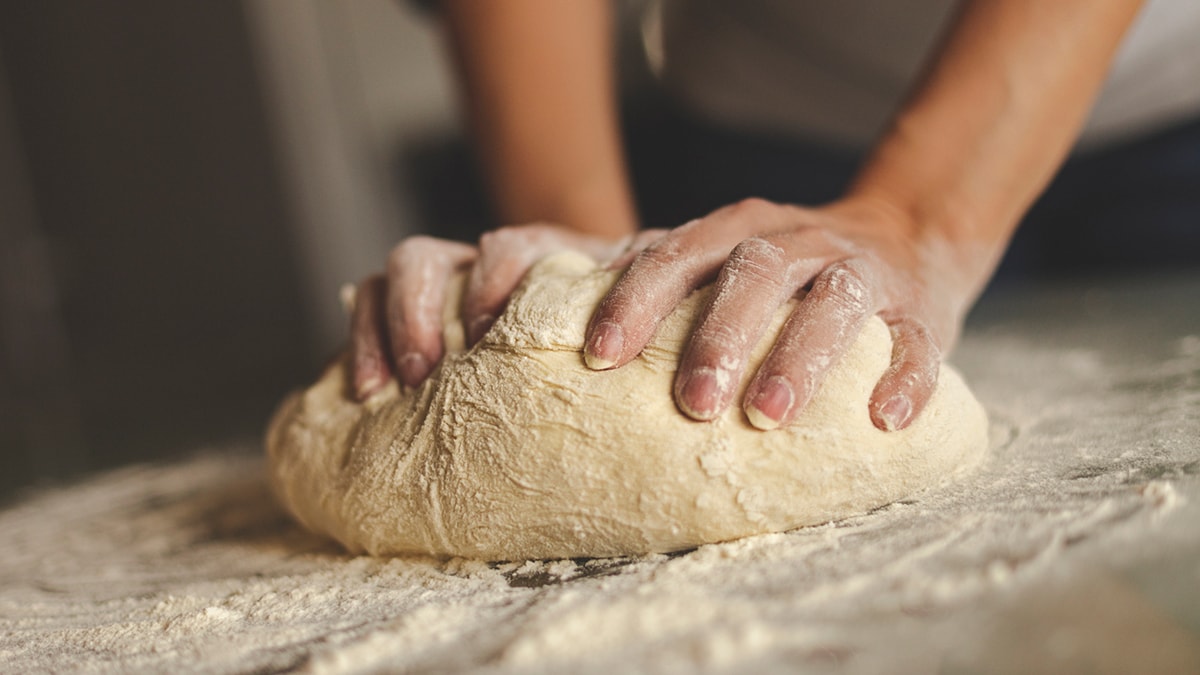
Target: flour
[514, 449]
[1073, 548]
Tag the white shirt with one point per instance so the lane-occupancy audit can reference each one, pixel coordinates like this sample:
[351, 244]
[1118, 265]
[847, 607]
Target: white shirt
[837, 69]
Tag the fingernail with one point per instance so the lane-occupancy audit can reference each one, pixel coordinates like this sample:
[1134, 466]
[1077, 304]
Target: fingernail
[480, 326]
[413, 368]
[699, 394]
[604, 349]
[895, 412]
[771, 404]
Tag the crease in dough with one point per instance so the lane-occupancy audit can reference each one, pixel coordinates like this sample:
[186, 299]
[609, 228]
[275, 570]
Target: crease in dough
[514, 449]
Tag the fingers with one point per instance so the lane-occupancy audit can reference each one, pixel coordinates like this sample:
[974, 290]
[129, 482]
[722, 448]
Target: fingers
[656, 281]
[817, 334]
[759, 276]
[419, 269]
[407, 306]
[909, 382]
[665, 273]
[368, 355]
[505, 255]
[855, 272]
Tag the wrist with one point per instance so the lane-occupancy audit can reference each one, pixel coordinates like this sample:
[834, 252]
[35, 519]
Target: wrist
[937, 241]
[953, 233]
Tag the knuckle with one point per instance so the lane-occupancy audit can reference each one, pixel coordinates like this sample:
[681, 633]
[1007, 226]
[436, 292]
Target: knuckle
[511, 240]
[492, 240]
[646, 238]
[757, 258]
[505, 233]
[750, 207]
[411, 251]
[758, 248]
[420, 243]
[666, 252]
[846, 285]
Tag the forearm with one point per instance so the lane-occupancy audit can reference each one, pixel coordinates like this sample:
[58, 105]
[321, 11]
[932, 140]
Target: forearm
[539, 87]
[996, 113]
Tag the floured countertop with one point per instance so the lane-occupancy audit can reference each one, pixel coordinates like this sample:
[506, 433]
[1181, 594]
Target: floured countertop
[1076, 548]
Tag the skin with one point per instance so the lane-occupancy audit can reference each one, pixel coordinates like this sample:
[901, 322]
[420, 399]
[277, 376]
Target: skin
[913, 240]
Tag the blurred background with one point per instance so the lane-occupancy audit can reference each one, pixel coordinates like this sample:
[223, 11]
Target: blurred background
[183, 187]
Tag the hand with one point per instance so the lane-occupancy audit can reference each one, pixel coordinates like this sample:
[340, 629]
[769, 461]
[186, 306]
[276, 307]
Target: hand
[859, 259]
[396, 323]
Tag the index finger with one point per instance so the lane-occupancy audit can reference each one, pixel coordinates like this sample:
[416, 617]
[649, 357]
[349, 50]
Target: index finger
[663, 274]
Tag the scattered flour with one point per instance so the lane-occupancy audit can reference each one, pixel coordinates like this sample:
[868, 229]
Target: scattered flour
[1074, 548]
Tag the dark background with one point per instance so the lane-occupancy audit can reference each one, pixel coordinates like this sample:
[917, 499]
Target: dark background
[183, 187]
[150, 299]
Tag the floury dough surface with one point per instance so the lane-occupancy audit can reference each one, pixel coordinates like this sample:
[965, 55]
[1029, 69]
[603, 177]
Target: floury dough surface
[515, 450]
[1072, 549]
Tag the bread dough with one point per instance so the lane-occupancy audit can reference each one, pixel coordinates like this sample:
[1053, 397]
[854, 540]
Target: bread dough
[514, 449]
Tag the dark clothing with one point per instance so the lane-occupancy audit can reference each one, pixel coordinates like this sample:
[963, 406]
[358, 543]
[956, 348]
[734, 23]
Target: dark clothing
[1134, 205]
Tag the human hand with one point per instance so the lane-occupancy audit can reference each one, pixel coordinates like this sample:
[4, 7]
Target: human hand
[396, 322]
[859, 258]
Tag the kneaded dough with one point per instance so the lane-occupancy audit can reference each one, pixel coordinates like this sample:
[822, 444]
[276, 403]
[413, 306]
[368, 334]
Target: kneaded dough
[514, 449]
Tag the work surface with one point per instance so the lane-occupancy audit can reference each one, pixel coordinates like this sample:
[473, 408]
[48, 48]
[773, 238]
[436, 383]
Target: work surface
[1076, 548]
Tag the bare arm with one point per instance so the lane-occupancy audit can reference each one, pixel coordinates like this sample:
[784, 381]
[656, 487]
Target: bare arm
[538, 83]
[992, 120]
[913, 241]
[539, 87]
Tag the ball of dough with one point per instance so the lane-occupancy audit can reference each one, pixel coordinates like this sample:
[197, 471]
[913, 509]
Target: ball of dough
[514, 449]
